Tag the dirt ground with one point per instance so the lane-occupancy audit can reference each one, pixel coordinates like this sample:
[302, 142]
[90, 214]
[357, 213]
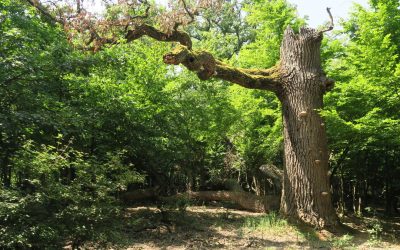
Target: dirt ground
[212, 227]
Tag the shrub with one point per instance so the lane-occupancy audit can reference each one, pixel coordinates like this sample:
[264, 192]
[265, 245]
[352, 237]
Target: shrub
[60, 195]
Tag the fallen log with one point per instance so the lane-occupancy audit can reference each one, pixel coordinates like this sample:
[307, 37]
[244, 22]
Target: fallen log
[244, 200]
[247, 201]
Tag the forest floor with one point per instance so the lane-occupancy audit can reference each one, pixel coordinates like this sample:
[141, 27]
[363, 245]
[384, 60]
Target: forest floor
[213, 227]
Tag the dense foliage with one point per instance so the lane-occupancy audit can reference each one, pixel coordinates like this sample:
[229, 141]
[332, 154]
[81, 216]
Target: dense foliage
[78, 129]
[362, 114]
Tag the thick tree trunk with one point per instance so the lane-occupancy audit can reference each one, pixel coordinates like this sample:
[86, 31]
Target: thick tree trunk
[306, 189]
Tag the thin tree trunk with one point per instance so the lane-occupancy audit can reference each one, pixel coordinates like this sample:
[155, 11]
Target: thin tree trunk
[306, 189]
[354, 197]
[365, 194]
[341, 199]
[7, 171]
[389, 197]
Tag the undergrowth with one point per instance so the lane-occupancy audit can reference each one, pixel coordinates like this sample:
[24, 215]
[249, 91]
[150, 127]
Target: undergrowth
[268, 222]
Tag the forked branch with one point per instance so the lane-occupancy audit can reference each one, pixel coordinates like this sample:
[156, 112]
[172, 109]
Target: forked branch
[191, 14]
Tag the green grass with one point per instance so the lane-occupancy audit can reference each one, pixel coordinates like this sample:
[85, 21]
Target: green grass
[268, 222]
[343, 242]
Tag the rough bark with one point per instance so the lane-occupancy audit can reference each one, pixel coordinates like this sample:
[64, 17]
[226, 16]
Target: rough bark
[206, 66]
[306, 190]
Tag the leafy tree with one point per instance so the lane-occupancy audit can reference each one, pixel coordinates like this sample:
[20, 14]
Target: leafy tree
[363, 121]
[31, 57]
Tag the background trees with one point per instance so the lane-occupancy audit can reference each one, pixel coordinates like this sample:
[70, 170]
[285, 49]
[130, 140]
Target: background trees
[100, 124]
[364, 122]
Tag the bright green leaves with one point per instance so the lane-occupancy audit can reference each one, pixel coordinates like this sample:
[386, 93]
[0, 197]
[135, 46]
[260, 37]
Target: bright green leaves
[269, 19]
[223, 33]
[362, 110]
[272, 16]
[257, 132]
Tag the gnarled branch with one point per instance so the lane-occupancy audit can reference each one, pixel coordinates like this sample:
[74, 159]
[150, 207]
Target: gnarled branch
[268, 79]
[144, 29]
[206, 67]
[201, 62]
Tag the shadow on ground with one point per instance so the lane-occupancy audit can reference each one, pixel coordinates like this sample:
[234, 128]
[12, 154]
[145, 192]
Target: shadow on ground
[208, 227]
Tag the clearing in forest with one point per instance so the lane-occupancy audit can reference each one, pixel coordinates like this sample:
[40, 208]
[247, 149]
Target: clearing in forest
[216, 227]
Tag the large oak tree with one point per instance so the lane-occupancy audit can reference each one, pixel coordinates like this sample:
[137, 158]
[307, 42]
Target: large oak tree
[297, 80]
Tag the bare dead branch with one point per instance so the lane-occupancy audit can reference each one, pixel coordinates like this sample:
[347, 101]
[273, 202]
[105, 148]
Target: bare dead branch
[95, 37]
[331, 24]
[188, 11]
